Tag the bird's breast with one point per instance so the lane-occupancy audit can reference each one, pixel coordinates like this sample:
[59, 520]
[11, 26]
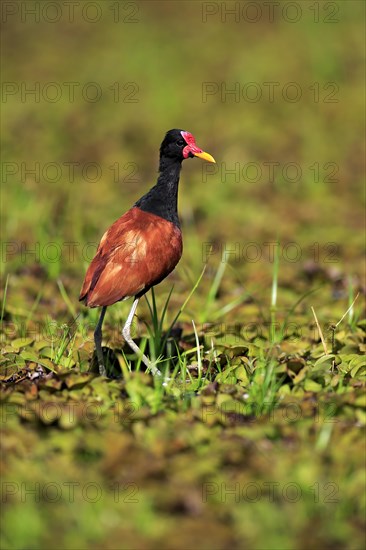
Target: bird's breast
[153, 241]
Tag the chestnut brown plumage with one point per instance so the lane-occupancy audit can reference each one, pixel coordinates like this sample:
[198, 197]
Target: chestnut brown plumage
[143, 246]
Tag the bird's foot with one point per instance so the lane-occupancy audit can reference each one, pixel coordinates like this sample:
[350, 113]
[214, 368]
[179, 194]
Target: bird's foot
[154, 370]
[102, 371]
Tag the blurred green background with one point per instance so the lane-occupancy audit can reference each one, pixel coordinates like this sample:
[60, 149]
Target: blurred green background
[148, 73]
[108, 80]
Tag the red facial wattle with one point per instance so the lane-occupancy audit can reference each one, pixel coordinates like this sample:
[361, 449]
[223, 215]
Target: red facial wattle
[192, 148]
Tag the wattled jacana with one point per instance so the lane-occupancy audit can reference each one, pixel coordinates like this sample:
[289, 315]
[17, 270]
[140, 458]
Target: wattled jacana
[143, 246]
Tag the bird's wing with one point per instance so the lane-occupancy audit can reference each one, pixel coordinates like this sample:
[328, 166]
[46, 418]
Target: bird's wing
[138, 251]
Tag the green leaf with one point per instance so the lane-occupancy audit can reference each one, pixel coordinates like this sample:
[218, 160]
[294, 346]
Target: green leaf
[21, 342]
[325, 362]
[310, 385]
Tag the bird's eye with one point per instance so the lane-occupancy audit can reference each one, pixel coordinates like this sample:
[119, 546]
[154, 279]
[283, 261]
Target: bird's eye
[181, 142]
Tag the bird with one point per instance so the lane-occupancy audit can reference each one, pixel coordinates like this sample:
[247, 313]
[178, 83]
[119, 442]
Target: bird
[143, 246]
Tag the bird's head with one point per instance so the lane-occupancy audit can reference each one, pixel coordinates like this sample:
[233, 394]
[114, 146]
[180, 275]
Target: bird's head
[180, 145]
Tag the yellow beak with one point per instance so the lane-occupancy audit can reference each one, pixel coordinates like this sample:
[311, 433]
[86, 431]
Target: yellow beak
[205, 156]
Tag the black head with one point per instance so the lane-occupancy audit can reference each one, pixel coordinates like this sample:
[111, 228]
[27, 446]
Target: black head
[179, 145]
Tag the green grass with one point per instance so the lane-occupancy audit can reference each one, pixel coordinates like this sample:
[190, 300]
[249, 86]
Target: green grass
[254, 436]
[251, 426]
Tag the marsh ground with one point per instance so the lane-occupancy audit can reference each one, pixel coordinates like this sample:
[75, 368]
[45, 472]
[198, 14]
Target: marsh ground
[257, 439]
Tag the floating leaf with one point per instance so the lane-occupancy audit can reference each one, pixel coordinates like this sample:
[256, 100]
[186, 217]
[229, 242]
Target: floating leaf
[76, 381]
[325, 362]
[311, 385]
[41, 344]
[284, 389]
[361, 416]
[241, 375]
[29, 355]
[19, 343]
[300, 376]
[48, 364]
[295, 364]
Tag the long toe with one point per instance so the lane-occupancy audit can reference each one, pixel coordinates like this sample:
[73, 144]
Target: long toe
[154, 370]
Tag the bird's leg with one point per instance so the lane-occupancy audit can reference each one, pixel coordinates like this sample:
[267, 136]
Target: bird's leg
[127, 336]
[98, 342]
